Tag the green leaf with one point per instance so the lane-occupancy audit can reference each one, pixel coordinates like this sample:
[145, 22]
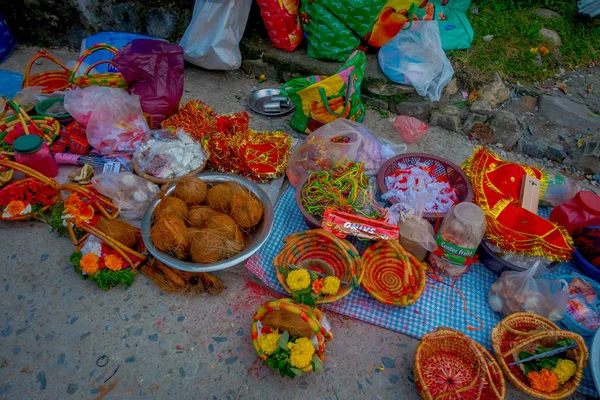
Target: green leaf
[296, 371]
[281, 364]
[283, 340]
[291, 374]
[271, 362]
[282, 373]
[318, 364]
[283, 270]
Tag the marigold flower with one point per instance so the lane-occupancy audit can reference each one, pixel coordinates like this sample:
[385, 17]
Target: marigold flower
[331, 286]
[268, 343]
[113, 262]
[543, 381]
[301, 353]
[89, 263]
[533, 50]
[298, 279]
[317, 285]
[15, 207]
[565, 369]
[544, 50]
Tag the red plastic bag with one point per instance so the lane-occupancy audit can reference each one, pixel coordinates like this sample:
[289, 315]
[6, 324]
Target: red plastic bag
[410, 128]
[283, 22]
[154, 71]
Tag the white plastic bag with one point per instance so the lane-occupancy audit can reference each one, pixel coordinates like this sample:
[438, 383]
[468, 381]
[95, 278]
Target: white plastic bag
[517, 291]
[415, 57]
[340, 141]
[113, 118]
[212, 39]
[130, 193]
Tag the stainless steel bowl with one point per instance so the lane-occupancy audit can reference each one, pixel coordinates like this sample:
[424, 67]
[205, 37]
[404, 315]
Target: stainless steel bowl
[258, 238]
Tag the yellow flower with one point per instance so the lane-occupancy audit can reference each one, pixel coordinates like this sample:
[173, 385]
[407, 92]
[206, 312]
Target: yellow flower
[331, 286]
[113, 262]
[268, 343]
[565, 369]
[533, 50]
[298, 279]
[262, 77]
[89, 263]
[301, 353]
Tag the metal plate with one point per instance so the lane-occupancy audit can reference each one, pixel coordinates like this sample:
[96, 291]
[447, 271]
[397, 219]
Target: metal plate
[258, 238]
[259, 97]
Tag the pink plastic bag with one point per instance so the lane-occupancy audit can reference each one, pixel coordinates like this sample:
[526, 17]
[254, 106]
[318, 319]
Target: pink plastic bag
[410, 128]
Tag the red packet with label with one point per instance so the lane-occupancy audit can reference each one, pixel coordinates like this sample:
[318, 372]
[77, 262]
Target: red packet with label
[342, 224]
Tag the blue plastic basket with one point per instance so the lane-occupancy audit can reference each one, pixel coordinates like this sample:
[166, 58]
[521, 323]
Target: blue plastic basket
[568, 321]
[586, 267]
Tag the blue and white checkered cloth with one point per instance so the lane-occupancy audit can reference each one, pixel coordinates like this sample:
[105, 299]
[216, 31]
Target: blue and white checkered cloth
[440, 304]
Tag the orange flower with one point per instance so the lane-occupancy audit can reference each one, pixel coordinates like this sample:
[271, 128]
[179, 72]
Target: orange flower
[89, 263]
[544, 50]
[15, 207]
[113, 262]
[543, 381]
[317, 285]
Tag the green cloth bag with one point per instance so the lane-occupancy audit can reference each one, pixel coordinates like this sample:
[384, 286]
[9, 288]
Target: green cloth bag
[455, 29]
[323, 99]
[335, 27]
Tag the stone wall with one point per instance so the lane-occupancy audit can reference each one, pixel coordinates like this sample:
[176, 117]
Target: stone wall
[67, 22]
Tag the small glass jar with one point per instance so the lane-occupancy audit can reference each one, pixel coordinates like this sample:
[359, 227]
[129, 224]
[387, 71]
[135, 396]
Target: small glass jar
[458, 238]
[31, 151]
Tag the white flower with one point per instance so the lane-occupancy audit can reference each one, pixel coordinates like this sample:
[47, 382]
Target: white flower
[92, 245]
[25, 211]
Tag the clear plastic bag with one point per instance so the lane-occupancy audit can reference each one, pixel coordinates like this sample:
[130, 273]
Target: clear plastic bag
[168, 156]
[517, 291]
[130, 193]
[212, 38]
[415, 57]
[113, 118]
[340, 141]
[416, 234]
[410, 128]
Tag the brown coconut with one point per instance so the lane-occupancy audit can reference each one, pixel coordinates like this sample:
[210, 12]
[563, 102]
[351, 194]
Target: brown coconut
[170, 234]
[191, 190]
[121, 231]
[198, 215]
[222, 223]
[208, 246]
[246, 210]
[219, 197]
[170, 206]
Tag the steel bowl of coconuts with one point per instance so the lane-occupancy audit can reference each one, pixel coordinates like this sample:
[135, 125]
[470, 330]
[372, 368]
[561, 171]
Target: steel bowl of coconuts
[207, 222]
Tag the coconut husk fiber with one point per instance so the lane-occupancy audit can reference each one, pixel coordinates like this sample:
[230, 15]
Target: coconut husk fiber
[198, 215]
[246, 210]
[287, 321]
[191, 190]
[172, 280]
[121, 231]
[208, 246]
[218, 197]
[224, 224]
[169, 234]
[170, 206]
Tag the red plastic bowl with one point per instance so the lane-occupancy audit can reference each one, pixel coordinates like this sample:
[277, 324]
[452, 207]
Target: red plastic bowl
[453, 172]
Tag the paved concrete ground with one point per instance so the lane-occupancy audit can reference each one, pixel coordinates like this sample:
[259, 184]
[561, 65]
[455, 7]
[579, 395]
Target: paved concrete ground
[55, 326]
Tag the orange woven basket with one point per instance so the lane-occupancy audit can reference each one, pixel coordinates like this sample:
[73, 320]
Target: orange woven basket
[46, 187]
[312, 317]
[47, 128]
[318, 245]
[450, 365]
[519, 330]
[51, 81]
[392, 275]
[110, 79]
